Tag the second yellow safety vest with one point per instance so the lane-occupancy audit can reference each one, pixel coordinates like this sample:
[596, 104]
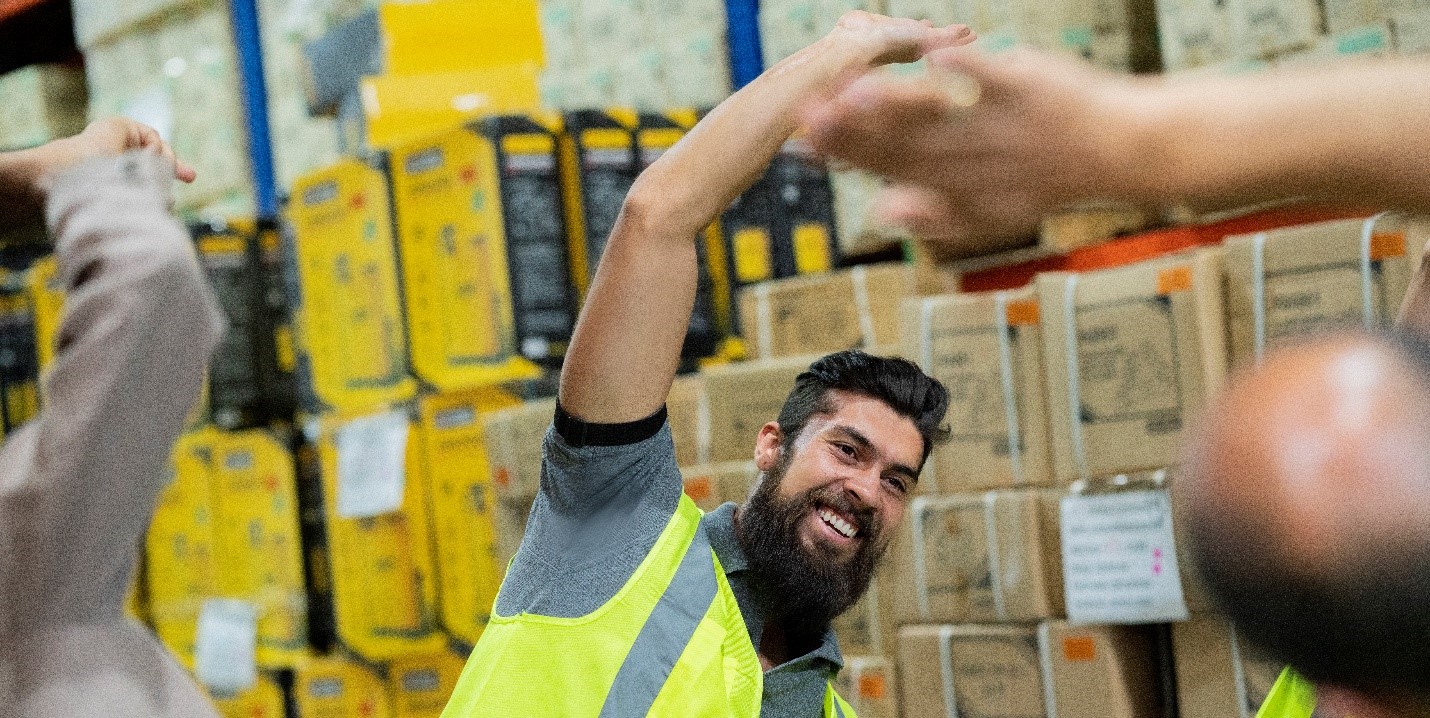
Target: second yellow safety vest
[1291, 697]
[670, 644]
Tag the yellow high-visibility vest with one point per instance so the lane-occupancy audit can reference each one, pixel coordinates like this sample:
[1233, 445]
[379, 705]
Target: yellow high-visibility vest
[670, 643]
[1291, 697]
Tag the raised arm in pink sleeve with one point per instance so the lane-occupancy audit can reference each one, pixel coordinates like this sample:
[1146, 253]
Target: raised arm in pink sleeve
[79, 483]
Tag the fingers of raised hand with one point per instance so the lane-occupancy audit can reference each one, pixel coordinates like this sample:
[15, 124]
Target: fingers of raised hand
[892, 127]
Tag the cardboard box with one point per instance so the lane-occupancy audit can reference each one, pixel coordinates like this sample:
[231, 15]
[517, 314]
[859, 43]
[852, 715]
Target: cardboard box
[711, 485]
[344, 293]
[978, 558]
[1346, 15]
[40, 103]
[744, 397]
[971, 672]
[1131, 356]
[1102, 671]
[868, 628]
[1194, 34]
[688, 411]
[1218, 673]
[859, 232]
[1288, 283]
[826, 313]
[1267, 28]
[869, 685]
[383, 568]
[1412, 31]
[514, 439]
[459, 482]
[339, 687]
[422, 685]
[987, 350]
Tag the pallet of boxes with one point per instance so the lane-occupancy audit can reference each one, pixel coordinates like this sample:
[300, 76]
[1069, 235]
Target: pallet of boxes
[1038, 572]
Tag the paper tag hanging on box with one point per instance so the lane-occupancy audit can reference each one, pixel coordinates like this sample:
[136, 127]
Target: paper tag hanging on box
[1120, 559]
[372, 465]
[226, 648]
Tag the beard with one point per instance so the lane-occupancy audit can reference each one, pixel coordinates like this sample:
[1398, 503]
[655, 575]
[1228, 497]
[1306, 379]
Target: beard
[805, 587]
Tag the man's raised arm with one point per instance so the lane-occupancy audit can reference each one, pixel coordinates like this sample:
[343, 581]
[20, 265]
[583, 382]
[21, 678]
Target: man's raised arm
[627, 343]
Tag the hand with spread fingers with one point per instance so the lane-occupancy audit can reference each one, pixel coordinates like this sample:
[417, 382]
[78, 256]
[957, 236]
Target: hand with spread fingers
[1040, 133]
[983, 147]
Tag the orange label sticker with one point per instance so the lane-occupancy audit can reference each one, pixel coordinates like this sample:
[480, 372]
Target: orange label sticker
[873, 686]
[698, 488]
[1080, 649]
[1174, 279]
[1385, 245]
[1023, 313]
[502, 477]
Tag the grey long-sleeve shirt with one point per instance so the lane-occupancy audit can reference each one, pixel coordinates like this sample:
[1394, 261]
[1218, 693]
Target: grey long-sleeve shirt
[79, 483]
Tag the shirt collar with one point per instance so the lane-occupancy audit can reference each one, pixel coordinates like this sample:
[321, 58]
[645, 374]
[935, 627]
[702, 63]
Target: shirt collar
[720, 529]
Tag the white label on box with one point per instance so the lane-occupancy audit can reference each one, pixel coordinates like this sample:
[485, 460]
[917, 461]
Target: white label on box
[372, 465]
[1120, 559]
[226, 648]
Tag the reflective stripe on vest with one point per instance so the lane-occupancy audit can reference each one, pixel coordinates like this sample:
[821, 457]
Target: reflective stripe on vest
[670, 644]
[1291, 697]
[665, 634]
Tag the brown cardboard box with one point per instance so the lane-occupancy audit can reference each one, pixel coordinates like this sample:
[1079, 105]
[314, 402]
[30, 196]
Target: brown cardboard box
[1312, 279]
[869, 684]
[1101, 671]
[1219, 675]
[1268, 28]
[970, 672]
[689, 420]
[1135, 351]
[744, 397]
[514, 437]
[825, 313]
[710, 485]
[868, 628]
[987, 350]
[978, 558]
[1412, 31]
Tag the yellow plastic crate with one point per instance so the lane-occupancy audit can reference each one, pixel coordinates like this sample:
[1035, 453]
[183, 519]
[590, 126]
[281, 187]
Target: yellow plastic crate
[180, 547]
[457, 282]
[422, 685]
[455, 466]
[339, 687]
[384, 577]
[48, 300]
[397, 108]
[453, 35]
[260, 552]
[19, 367]
[347, 312]
[264, 700]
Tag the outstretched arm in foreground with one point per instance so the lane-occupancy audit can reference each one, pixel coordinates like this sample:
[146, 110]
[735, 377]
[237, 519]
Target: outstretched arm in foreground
[627, 343]
[1046, 133]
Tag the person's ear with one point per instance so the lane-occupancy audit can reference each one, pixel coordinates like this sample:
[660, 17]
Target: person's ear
[768, 446]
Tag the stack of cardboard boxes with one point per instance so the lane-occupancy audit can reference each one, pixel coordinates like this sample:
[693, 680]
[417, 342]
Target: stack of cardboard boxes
[172, 64]
[40, 103]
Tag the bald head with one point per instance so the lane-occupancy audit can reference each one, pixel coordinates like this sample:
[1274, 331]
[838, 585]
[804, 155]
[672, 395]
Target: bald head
[1308, 498]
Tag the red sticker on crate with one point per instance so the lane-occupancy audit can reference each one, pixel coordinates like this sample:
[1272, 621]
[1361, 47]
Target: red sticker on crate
[1080, 649]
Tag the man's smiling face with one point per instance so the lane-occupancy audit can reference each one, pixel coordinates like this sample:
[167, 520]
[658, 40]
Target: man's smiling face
[829, 504]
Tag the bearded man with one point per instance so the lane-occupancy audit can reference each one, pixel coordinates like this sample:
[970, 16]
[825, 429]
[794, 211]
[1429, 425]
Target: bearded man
[624, 600]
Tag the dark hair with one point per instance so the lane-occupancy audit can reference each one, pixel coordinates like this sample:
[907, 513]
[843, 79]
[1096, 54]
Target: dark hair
[899, 383]
[1363, 625]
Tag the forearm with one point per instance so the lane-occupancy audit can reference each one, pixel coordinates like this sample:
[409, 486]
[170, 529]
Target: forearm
[139, 325]
[689, 186]
[627, 343]
[1353, 135]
